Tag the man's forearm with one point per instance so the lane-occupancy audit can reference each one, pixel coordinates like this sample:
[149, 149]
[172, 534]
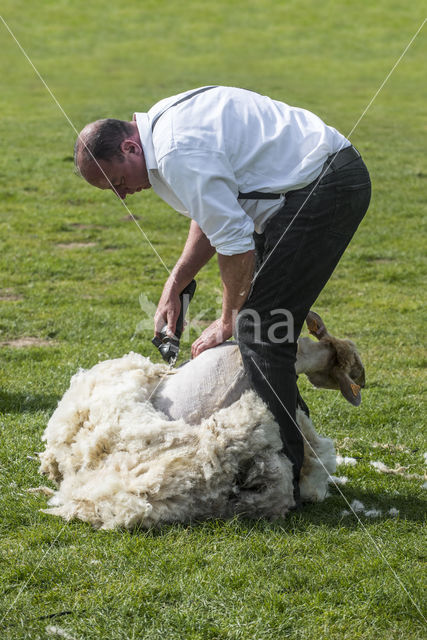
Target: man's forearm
[236, 274]
[196, 253]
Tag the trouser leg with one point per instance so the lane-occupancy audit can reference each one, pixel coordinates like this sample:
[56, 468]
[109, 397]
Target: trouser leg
[301, 404]
[302, 244]
[271, 372]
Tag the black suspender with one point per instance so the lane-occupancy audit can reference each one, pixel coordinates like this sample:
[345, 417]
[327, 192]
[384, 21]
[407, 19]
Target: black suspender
[187, 97]
[258, 195]
[252, 195]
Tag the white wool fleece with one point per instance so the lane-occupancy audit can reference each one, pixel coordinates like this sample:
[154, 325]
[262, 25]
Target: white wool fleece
[120, 462]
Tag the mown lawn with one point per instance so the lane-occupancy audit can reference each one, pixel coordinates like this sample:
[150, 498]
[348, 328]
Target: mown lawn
[73, 268]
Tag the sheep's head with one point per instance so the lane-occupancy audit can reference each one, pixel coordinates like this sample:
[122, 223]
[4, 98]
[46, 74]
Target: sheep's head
[331, 363]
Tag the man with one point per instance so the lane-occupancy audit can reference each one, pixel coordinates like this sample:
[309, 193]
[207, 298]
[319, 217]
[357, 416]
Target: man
[270, 188]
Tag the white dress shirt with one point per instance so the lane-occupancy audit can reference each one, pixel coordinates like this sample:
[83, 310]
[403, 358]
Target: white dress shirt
[205, 150]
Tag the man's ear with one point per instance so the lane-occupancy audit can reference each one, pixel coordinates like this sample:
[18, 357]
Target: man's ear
[131, 146]
[349, 389]
[315, 325]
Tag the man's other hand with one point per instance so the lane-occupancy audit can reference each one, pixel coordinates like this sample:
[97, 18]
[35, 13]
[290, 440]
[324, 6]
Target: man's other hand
[217, 333]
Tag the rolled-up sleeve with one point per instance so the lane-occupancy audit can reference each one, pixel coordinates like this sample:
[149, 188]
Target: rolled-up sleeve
[204, 182]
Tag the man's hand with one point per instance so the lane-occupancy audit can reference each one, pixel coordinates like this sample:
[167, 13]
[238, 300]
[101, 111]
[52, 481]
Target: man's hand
[167, 311]
[236, 274]
[217, 333]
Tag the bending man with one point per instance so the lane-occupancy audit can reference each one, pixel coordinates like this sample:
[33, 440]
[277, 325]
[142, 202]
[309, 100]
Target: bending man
[270, 188]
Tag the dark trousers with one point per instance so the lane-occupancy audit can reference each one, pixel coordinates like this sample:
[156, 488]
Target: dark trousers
[293, 265]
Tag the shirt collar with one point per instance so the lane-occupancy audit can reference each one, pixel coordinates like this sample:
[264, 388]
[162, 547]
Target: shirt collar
[144, 130]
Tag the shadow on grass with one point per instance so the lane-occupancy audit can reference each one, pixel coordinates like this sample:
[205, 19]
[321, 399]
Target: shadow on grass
[325, 514]
[21, 402]
[335, 512]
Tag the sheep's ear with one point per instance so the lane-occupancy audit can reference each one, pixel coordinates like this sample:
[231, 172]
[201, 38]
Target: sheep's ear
[349, 389]
[315, 325]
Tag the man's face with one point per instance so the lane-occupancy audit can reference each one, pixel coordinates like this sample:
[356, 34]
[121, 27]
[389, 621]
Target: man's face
[123, 175]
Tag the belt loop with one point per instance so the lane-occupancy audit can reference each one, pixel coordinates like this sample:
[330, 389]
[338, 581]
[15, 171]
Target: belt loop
[339, 160]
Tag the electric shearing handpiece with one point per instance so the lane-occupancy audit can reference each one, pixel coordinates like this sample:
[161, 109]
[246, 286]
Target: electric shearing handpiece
[167, 345]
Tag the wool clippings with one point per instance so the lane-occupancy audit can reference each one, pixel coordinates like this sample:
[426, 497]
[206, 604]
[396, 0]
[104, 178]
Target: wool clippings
[390, 446]
[373, 512]
[53, 630]
[357, 506]
[338, 479]
[46, 491]
[346, 460]
[397, 471]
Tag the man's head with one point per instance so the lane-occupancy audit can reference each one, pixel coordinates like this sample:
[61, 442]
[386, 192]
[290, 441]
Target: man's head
[109, 155]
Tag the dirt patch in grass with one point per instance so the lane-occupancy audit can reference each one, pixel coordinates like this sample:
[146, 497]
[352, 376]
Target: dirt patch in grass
[75, 245]
[8, 294]
[27, 341]
[79, 225]
[130, 218]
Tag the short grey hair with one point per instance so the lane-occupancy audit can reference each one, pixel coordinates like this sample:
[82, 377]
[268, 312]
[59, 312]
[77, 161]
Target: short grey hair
[101, 141]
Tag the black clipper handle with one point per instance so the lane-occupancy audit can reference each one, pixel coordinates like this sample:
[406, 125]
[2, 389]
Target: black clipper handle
[185, 297]
[169, 346]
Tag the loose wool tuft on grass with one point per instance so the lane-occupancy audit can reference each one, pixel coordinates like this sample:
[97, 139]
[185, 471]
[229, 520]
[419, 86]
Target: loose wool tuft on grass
[120, 462]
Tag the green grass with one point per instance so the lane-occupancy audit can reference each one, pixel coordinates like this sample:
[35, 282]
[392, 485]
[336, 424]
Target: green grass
[315, 574]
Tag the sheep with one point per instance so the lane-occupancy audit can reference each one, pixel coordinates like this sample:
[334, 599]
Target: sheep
[131, 443]
[330, 363]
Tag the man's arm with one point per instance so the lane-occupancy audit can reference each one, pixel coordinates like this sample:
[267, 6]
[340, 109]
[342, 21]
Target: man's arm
[205, 183]
[236, 274]
[196, 253]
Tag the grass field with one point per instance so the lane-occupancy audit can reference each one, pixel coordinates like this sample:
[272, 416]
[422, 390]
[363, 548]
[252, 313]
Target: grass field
[72, 271]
